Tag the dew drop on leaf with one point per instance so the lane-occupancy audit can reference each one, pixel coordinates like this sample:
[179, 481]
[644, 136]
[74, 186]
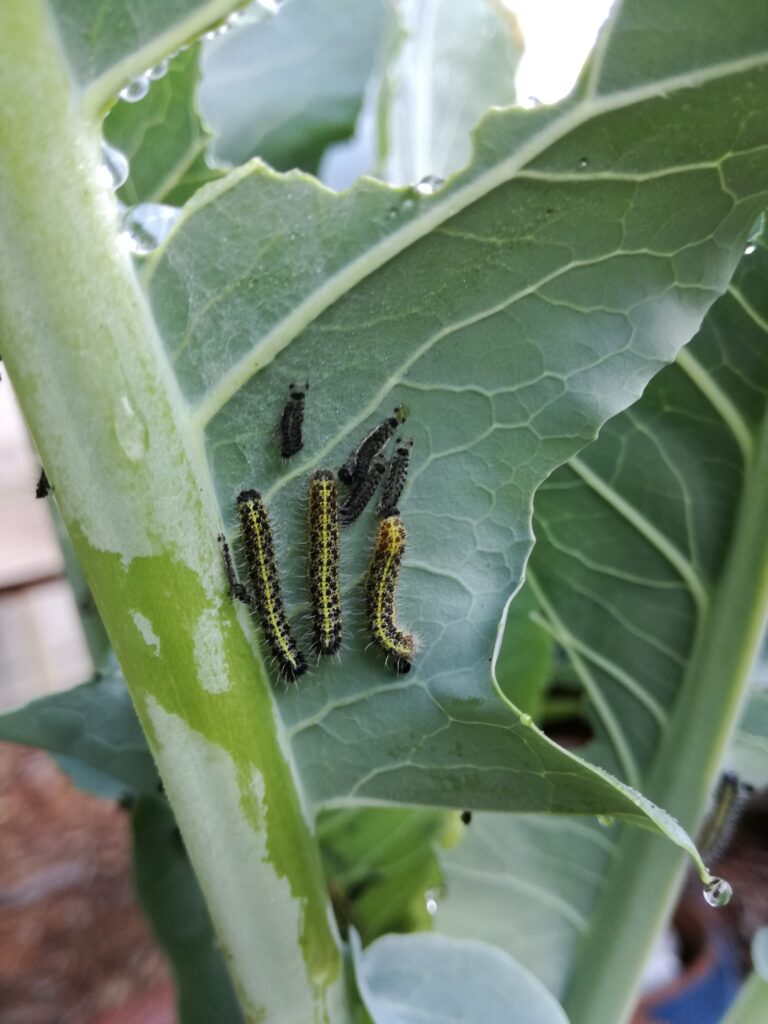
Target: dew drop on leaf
[428, 185]
[606, 820]
[115, 165]
[146, 226]
[158, 71]
[430, 901]
[750, 249]
[135, 90]
[718, 892]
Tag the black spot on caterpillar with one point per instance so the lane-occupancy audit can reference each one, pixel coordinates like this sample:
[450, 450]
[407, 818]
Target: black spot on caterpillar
[397, 472]
[380, 587]
[43, 488]
[466, 817]
[292, 420]
[361, 493]
[263, 595]
[358, 461]
[323, 562]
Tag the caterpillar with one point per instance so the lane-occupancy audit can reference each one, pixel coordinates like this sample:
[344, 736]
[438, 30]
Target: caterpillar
[380, 586]
[361, 493]
[292, 421]
[394, 483]
[359, 460]
[720, 825]
[323, 562]
[263, 596]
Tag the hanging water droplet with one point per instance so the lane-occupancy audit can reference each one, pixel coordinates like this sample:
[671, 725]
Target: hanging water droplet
[606, 820]
[718, 892]
[130, 429]
[583, 163]
[526, 720]
[135, 90]
[431, 183]
[430, 901]
[158, 71]
[750, 249]
[115, 166]
[146, 226]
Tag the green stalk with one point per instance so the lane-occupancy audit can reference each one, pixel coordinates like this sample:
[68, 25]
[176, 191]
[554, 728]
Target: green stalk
[132, 483]
[641, 889]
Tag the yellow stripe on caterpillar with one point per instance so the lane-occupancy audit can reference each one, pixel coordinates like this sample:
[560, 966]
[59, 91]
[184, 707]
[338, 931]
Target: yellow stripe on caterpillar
[323, 562]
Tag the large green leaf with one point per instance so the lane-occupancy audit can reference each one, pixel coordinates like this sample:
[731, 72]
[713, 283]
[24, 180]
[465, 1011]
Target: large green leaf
[93, 729]
[513, 311]
[283, 88]
[428, 979]
[635, 544]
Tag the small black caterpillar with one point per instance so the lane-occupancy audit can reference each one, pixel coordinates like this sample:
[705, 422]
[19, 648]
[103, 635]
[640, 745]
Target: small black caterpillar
[358, 462]
[292, 420]
[362, 491]
[397, 473]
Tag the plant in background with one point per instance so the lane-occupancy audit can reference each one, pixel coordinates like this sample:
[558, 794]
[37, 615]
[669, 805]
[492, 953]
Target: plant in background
[517, 309]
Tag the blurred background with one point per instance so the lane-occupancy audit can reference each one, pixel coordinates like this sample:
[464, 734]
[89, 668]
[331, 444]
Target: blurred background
[74, 946]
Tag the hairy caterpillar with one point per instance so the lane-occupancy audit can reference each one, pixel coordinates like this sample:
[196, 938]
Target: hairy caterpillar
[380, 587]
[292, 420]
[323, 562]
[359, 460]
[263, 595]
[361, 493]
[394, 484]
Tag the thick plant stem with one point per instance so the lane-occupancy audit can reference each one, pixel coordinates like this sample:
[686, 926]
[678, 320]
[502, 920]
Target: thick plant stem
[641, 888]
[132, 483]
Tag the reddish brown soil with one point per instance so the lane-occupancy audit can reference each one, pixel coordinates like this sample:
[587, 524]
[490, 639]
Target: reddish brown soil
[74, 947]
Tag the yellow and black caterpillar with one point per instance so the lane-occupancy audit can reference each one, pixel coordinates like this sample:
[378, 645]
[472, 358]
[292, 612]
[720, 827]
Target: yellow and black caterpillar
[323, 562]
[380, 587]
[263, 593]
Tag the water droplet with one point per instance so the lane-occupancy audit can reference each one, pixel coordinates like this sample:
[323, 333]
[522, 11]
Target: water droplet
[158, 71]
[526, 720]
[717, 892]
[430, 901]
[606, 820]
[135, 90]
[750, 249]
[583, 163]
[115, 166]
[428, 185]
[270, 6]
[130, 429]
[146, 226]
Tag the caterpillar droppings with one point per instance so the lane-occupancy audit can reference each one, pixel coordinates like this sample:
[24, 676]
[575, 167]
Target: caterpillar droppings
[358, 461]
[263, 595]
[323, 562]
[362, 491]
[380, 586]
[292, 421]
[394, 483]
